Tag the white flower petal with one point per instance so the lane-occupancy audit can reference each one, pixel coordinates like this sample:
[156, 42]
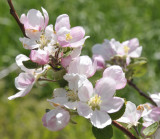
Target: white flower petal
[100, 119]
[21, 93]
[86, 91]
[112, 105]
[116, 73]
[62, 21]
[105, 87]
[84, 110]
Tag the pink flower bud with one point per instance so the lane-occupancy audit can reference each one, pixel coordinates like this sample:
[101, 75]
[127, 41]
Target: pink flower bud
[39, 56]
[56, 119]
[100, 61]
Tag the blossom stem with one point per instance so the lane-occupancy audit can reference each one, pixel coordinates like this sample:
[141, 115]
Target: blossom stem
[14, 14]
[135, 128]
[45, 79]
[130, 82]
[124, 130]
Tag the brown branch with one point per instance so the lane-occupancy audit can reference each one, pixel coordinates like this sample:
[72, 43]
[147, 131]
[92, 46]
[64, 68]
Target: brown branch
[130, 82]
[14, 14]
[123, 129]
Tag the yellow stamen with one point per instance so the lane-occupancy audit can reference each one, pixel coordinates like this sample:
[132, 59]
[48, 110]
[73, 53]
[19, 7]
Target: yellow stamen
[33, 30]
[126, 49]
[140, 107]
[25, 45]
[147, 106]
[68, 37]
[95, 102]
[72, 96]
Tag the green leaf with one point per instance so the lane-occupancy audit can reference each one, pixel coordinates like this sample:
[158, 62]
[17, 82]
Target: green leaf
[105, 133]
[30, 65]
[117, 115]
[150, 130]
[58, 75]
[66, 51]
[137, 67]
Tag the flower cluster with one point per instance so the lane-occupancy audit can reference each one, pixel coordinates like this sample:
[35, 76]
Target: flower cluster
[110, 49]
[58, 48]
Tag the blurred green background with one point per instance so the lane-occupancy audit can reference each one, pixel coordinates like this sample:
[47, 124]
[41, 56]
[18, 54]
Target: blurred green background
[119, 19]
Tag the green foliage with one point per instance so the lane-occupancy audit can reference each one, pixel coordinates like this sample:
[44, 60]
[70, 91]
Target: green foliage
[137, 67]
[105, 133]
[122, 20]
[150, 130]
[30, 65]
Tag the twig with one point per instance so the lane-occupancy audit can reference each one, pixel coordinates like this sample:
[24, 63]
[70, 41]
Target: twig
[45, 79]
[14, 14]
[130, 82]
[124, 130]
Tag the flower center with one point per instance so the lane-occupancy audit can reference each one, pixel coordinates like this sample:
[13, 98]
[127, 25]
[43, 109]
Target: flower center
[68, 37]
[72, 96]
[43, 41]
[126, 49]
[95, 102]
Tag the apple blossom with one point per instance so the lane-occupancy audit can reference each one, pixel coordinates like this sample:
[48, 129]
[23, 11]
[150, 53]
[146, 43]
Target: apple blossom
[116, 73]
[97, 103]
[24, 82]
[152, 117]
[69, 97]
[82, 65]
[56, 119]
[66, 36]
[109, 49]
[39, 56]
[132, 114]
[46, 39]
[34, 22]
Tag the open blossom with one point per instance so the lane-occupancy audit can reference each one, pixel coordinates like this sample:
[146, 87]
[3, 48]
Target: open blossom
[69, 97]
[109, 49]
[132, 114]
[39, 56]
[66, 36]
[46, 40]
[117, 74]
[25, 81]
[56, 119]
[82, 65]
[95, 104]
[34, 22]
[152, 117]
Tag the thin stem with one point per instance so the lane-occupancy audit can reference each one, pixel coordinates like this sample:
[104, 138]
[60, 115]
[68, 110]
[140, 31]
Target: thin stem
[124, 130]
[16, 17]
[135, 128]
[45, 79]
[130, 82]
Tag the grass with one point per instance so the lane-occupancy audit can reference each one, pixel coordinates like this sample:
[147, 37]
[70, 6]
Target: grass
[122, 20]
